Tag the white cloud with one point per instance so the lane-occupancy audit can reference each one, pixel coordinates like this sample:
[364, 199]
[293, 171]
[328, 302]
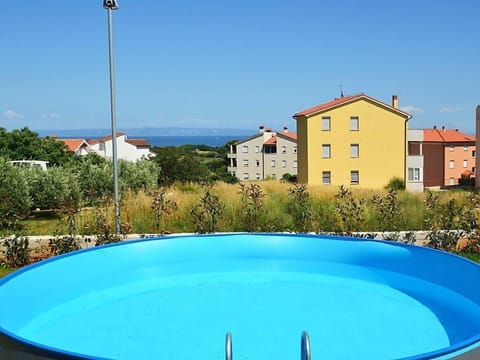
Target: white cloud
[52, 115]
[451, 109]
[412, 109]
[10, 114]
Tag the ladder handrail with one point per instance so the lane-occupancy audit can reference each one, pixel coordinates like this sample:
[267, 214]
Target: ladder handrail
[228, 347]
[305, 344]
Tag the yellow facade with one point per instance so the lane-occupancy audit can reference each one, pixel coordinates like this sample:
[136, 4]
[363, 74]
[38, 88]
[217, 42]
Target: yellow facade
[367, 157]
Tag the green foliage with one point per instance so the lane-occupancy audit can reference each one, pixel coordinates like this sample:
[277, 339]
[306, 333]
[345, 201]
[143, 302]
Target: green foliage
[95, 178]
[161, 206]
[350, 211]
[395, 184]
[449, 221]
[388, 211]
[300, 207]
[15, 200]
[24, 144]
[252, 198]
[102, 229]
[289, 178]
[205, 214]
[16, 251]
[139, 175]
[180, 164]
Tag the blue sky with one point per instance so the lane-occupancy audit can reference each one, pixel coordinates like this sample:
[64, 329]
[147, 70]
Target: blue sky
[235, 64]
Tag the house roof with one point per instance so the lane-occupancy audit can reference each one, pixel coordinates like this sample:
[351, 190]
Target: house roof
[73, 144]
[345, 100]
[288, 134]
[271, 141]
[446, 136]
[138, 142]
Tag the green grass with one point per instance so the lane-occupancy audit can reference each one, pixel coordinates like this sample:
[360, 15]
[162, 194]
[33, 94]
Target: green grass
[5, 271]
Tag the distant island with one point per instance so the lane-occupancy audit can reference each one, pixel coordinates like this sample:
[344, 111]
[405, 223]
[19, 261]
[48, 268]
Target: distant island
[147, 131]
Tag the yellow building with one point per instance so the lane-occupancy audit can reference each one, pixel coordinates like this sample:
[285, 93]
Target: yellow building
[353, 140]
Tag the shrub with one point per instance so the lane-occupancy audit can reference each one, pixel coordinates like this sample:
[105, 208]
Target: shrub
[205, 214]
[15, 200]
[395, 184]
[300, 207]
[252, 198]
[16, 251]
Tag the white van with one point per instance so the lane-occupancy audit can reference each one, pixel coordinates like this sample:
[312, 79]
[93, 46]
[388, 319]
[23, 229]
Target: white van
[33, 164]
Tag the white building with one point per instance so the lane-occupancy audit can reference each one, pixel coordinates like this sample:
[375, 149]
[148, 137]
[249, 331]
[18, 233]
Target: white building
[127, 149]
[265, 155]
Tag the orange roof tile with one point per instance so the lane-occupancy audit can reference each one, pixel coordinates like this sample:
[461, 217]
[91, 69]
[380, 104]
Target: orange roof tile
[343, 100]
[271, 141]
[446, 136]
[288, 134]
[72, 144]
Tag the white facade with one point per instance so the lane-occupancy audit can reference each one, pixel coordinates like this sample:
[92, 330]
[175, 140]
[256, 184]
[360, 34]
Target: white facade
[267, 155]
[415, 161]
[131, 150]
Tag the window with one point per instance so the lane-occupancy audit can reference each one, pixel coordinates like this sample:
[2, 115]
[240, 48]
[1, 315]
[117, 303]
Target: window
[294, 149]
[326, 123]
[354, 177]
[451, 181]
[326, 151]
[101, 146]
[272, 163]
[354, 123]
[257, 163]
[257, 176]
[354, 150]
[465, 147]
[473, 153]
[284, 163]
[245, 162]
[257, 149]
[284, 149]
[326, 177]
[473, 169]
[274, 176]
[244, 149]
[452, 164]
[245, 176]
[452, 148]
[295, 164]
[465, 163]
[413, 174]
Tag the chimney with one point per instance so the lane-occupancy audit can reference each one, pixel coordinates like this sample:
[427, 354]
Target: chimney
[285, 129]
[261, 128]
[268, 130]
[434, 127]
[395, 101]
[443, 127]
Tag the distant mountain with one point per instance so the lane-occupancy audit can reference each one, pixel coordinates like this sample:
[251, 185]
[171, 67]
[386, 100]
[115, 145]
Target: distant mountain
[149, 131]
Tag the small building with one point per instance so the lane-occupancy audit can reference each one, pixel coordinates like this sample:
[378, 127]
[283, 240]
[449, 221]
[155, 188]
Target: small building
[265, 155]
[127, 149]
[354, 141]
[415, 161]
[447, 154]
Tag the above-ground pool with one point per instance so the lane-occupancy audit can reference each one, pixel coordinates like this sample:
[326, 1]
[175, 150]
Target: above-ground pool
[178, 297]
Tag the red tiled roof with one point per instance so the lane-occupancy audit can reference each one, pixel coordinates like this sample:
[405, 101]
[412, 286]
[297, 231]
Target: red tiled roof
[343, 100]
[106, 138]
[289, 134]
[271, 141]
[446, 136]
[138, 142]
[72, 144]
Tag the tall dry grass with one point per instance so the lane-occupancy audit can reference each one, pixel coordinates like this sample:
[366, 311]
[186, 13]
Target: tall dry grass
[136, 209]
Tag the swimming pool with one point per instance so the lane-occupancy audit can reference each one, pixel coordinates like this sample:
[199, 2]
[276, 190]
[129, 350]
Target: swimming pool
[177, 297]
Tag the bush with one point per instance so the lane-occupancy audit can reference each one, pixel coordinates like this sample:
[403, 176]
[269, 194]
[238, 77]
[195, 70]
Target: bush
[395, 184]
[14, 194]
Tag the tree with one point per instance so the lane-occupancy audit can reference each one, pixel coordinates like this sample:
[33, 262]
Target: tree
[24, 144]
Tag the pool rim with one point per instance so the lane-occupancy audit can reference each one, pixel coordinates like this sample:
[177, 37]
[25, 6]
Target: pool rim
[55, 353]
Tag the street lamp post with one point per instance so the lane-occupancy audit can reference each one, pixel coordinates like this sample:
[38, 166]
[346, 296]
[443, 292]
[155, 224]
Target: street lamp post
[110, 5]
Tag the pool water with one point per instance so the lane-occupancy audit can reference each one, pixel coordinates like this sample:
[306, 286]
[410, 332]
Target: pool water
[177, 298]
[187, 316]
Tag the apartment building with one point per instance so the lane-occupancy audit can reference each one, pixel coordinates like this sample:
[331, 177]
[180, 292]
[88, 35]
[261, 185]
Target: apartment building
[449, 155]
[352, 140]
[265, 155]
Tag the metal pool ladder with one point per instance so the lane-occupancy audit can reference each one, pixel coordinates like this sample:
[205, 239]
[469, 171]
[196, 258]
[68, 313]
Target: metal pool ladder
[304, 352]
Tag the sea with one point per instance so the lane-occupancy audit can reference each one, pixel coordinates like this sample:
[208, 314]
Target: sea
[188, 140]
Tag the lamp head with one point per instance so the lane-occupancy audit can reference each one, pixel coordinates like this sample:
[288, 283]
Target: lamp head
[110, 4]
